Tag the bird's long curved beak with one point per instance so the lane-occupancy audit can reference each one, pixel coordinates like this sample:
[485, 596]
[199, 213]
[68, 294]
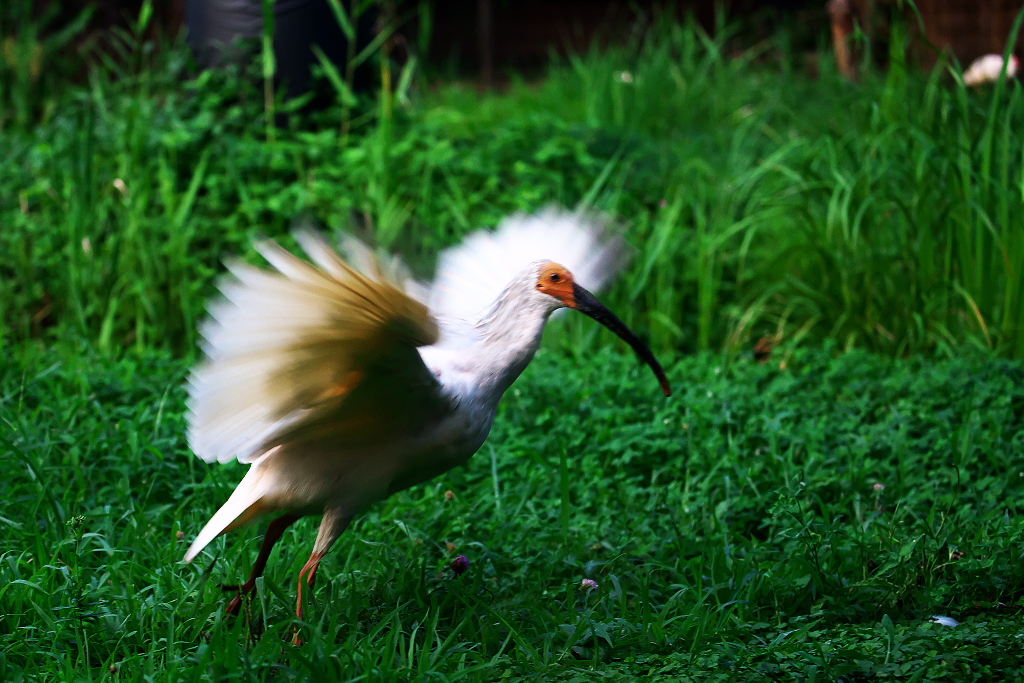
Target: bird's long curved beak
[585, 302]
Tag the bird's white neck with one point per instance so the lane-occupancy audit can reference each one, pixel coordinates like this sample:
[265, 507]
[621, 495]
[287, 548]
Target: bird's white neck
[510, 334]
[505, 351]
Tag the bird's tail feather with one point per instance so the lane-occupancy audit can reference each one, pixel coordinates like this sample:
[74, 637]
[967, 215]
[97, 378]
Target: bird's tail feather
[244, 505]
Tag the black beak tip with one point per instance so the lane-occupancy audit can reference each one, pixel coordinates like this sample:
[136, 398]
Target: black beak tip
[586, 303]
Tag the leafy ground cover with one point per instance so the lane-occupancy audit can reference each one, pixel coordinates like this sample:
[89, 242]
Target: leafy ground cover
[799, 522]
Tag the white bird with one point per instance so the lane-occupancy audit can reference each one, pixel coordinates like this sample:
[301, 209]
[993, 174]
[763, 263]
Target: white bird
[987, 68]
[342, 384]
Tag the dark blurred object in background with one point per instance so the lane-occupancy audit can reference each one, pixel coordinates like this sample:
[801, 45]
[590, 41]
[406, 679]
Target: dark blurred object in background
[488, 38]
[218, 29]
[970, 28]
[228, 31]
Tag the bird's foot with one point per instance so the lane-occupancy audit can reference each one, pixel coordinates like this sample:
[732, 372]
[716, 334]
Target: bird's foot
[235, 606]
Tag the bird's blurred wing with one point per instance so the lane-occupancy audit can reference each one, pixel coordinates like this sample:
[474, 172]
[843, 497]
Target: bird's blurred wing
[311, 349]
[471, 275]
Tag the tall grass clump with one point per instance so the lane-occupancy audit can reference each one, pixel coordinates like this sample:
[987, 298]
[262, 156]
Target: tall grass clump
[767, 204]
[761, 202]
[907, 233]
[38, 56]
[880, 214]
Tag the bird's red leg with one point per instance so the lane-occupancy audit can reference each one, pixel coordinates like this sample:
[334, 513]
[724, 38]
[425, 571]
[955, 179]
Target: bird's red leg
[334, 523]
[311, 577]
[273, 535]
[308, 576]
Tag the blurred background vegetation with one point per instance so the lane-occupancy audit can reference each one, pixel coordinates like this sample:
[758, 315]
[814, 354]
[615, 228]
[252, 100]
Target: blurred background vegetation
[769, 199]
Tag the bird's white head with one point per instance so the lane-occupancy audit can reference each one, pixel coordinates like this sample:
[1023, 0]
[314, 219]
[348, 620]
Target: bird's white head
[489, 286]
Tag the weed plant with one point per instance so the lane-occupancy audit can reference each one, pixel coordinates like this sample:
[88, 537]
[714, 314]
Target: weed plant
[760, 201]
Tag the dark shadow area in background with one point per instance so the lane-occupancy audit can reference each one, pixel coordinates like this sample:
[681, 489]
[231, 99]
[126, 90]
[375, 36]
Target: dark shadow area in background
[489, 39]
[461, 34]
[221, 31]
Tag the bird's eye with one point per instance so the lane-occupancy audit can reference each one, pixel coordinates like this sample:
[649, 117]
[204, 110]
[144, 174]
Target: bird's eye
[555, 277]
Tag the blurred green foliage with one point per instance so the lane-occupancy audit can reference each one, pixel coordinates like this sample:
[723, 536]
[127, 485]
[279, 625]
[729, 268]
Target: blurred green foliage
[761, 202]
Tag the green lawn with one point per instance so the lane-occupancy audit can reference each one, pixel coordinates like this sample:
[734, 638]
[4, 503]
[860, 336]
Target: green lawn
[800, 519]
[735, 530]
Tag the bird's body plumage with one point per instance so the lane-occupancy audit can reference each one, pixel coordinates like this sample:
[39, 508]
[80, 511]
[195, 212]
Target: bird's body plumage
[342, 386]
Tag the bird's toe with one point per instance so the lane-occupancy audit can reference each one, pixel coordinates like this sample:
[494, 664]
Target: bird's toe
[235, 606]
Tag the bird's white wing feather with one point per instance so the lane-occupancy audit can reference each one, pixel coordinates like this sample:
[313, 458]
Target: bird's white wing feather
[308, 351]
[471, 275]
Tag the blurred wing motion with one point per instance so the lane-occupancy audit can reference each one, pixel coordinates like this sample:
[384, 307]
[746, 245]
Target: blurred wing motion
[472, 275]
[312, 352]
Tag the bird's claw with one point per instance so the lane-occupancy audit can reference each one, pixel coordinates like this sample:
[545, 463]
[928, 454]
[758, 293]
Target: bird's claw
[235, 606]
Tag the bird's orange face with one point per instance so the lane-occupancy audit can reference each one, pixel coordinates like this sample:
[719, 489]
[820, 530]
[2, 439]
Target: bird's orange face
[557, 281]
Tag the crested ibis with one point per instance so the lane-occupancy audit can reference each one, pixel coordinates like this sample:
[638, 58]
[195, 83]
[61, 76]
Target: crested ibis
[342, 382]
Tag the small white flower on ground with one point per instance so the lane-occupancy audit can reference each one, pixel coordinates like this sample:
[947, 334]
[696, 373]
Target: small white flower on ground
[623, 77]
[945, 621]
[588, 585]
[988, 68]
[879, 487]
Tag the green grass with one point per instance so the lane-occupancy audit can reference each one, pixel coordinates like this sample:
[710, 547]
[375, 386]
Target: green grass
[735, 531]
